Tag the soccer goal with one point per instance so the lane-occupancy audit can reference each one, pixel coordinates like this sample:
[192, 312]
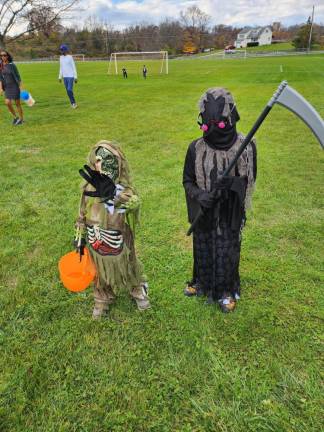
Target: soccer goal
[236, 53]
[133, 62]
[79, 57]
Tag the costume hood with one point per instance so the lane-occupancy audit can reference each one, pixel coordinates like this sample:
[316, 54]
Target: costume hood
[216, 105]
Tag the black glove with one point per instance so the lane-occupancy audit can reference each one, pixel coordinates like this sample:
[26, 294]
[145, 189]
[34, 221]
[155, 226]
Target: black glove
[224, 183]
[80, 247]
[207, 199]
[105, 187]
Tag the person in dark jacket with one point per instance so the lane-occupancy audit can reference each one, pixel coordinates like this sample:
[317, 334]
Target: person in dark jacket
[11, 84]
[217, 235]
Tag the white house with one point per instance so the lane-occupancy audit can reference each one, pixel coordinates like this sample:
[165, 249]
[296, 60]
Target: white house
[259, 35]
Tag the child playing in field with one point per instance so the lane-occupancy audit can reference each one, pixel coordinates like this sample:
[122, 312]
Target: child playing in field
[109, 211]
[217, 235]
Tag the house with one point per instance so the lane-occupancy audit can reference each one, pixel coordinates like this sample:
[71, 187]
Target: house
[254, 37]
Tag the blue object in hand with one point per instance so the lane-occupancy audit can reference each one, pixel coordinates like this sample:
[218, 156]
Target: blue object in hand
[24, 95]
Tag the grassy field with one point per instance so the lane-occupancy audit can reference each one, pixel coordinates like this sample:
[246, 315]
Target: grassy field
[182, 366]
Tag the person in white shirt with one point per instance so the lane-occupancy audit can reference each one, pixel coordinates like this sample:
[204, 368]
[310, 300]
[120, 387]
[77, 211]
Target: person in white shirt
[68, 72]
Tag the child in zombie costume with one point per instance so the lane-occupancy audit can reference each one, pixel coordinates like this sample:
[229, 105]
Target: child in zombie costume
[217, 235]
[109, 211]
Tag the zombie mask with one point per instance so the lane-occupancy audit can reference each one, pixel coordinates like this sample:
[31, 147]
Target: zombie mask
[107, 163]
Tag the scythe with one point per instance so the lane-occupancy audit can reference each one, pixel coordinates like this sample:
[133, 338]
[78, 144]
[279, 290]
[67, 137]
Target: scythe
[290, 99]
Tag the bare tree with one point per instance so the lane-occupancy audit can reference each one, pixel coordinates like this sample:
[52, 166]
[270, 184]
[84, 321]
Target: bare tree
[43, 20]
[15, 16]
[196, 24]
[195, 18]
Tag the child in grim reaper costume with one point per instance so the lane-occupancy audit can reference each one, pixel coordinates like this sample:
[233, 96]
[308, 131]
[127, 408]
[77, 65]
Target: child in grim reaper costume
[217, 235]
[109, 211]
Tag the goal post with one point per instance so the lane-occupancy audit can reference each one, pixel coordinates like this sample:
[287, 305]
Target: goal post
[117, 60]
[236, 53]
[78, 57]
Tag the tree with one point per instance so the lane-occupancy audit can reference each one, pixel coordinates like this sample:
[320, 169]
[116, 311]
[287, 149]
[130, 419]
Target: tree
[301, 39]
[196, 24]
[189, 46]
[224, 35]
[15, 16]
[42, 19]
[171, 35]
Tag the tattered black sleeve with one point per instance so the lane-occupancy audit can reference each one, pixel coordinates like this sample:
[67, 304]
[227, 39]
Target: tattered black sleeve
[254, 151]
[189, 182]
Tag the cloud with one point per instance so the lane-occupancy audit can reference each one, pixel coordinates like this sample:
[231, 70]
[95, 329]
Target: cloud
[121, 13]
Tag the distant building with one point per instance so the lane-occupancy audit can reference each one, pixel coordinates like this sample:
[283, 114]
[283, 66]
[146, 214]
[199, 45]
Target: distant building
[276, 26]
[254, 37]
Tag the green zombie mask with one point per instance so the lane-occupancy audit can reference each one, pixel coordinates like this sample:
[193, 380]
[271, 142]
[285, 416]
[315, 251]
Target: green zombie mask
[109, 163]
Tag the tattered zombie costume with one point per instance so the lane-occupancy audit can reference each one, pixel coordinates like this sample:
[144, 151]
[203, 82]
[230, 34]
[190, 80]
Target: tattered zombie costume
[217, 236]
[109, 211]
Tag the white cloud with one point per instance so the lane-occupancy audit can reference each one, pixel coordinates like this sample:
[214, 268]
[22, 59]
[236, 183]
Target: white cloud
[121, 13]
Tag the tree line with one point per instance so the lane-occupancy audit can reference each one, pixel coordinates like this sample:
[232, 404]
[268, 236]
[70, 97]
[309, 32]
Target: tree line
[191, 32]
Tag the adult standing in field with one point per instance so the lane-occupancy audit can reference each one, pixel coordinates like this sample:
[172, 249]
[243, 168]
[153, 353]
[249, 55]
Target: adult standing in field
[11, 83]
[217, 235]
[144, 72]
[68, 72]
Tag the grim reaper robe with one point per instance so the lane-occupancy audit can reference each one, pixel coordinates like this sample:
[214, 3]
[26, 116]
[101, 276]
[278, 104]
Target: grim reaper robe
[217, 236]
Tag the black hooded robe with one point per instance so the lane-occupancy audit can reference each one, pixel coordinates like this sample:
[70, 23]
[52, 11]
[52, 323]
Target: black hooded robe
[217, 237]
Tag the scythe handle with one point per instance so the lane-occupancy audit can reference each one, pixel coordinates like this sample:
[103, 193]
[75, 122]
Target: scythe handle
[244, 144]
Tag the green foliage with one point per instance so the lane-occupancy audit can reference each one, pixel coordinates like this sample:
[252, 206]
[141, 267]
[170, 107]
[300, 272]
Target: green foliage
[301, 40]
[181, 366]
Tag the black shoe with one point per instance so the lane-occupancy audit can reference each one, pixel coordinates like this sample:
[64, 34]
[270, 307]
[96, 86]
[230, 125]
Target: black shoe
[19, 122]
[15, 120]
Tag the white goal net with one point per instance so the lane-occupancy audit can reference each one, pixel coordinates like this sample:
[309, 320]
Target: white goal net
[133, 62]
[235, 53]
[78, 57]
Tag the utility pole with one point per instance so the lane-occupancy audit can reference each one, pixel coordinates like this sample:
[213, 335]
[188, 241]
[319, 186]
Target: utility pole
[310, 32]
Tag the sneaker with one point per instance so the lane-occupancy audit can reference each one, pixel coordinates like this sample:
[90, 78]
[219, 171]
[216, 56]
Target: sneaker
[192, 289]
[15, 120]
[227, 304]
[74, 106]
[19, 122]
[100, 310]
[143, 303]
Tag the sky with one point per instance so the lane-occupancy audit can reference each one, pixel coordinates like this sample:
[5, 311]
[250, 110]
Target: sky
[122, 13]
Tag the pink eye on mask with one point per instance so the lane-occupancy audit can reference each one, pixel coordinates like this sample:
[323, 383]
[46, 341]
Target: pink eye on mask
[204, 127]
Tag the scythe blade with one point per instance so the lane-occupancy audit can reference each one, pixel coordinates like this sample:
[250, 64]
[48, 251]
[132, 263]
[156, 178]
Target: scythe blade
[292, 100]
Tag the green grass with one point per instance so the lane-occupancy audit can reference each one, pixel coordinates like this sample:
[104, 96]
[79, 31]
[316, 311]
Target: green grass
[181, 366]
[281, 46]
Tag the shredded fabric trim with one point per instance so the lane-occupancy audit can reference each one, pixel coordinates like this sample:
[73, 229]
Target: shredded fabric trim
[207, 158]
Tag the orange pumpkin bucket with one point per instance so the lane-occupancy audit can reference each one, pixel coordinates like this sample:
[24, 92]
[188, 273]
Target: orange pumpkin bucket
[76, 275]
